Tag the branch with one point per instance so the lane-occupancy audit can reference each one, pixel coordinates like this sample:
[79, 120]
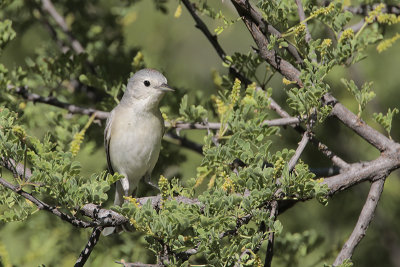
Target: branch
[273, 105]
[137, 264]
[360, 172]
[349, 119]
[93, 239]
[184, 142]
[270, 245]
[302, 17]
[48, 6]
[213, 40]
[265, 27]
[23, 91]
[363, 222]
[282, 121]
[43, 206]
[320, 146]
[299, 151]
[18, 169]
[244, 9]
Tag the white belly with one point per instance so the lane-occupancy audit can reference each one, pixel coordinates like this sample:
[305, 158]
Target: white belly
[135, 150]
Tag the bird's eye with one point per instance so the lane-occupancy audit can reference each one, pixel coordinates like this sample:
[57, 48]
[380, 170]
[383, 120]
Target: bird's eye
[146, 83]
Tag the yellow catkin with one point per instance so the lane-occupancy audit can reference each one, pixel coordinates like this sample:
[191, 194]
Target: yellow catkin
[78, 137]
[287, 82]
[178, 11]
[347, 34]
[323, 10]
[235, 94]
[374, 13]
[382, 46]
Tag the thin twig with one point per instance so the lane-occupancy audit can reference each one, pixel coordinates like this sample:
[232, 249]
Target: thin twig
[48, 6]
[23, 91]
[320, 146]
[270, 245]
[363, 222]
[93, 239]
[213, 40]
[137, 264]
[299, 151]
[302, 17]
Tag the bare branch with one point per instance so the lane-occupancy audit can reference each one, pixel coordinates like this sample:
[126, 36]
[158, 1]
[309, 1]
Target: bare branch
[270, 245]
[363, 222]
[23, 91]
[196, 125]
[137, 264]
[299, 150]
[360, 172]
[282, 121]
[48, 6]
[184, 142]
[104, 217]
[93, 239]
[18, 169]
[302, 17]
[349, 119]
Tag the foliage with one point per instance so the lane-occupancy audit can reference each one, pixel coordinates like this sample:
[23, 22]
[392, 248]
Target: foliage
[244, 166]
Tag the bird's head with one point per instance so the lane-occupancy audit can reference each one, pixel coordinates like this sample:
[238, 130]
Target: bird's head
[147, 85]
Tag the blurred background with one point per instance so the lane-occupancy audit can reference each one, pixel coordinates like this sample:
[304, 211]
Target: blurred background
[173, 45]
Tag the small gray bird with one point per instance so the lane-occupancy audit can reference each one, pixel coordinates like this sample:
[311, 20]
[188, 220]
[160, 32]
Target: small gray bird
[133, 133]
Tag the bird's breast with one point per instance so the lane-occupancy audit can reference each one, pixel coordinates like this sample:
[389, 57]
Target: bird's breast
[135, 143]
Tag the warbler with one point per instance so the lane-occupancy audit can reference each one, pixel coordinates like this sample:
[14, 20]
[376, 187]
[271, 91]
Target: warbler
[133, 133]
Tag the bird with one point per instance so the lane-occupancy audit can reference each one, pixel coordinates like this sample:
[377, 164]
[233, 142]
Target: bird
[133, 133]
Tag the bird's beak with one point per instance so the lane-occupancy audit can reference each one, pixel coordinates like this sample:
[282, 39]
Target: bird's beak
[165, 87]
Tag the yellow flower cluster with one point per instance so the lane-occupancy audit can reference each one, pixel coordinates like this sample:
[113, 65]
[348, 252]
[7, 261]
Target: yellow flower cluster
[19, 132]
[299, 29]
[228, 185]
[235, 94]
[278, 167]
[382, 46]
[326, 43]
[374, 13]
[388, 19]
[76, 142]
[347, 34]
[78, 137]
[323, 10]
[287, 82]
[163, 184]
[220, 105]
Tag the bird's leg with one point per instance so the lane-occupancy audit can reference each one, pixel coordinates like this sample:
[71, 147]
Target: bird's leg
[125, 185]
[147, 179]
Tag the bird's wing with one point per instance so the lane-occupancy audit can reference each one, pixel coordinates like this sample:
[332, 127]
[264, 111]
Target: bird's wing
[107, 140]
